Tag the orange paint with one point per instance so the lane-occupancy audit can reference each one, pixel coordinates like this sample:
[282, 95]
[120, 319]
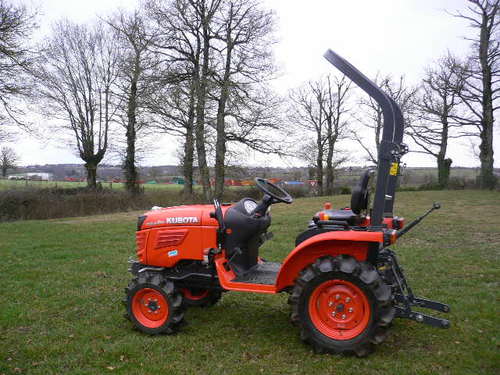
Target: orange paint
[354, 243]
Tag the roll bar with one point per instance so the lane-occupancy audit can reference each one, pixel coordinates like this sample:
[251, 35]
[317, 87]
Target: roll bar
[391, 149]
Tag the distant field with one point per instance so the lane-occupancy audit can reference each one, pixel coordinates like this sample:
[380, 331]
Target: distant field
[12, 184]
[411, 177]
[62, 284]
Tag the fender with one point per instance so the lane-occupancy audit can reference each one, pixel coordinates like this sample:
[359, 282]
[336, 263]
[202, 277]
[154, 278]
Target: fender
[354, 243]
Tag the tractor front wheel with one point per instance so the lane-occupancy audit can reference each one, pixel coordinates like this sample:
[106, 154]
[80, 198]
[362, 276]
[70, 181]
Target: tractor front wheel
[195, 297]
[342, 306]
[153, 304]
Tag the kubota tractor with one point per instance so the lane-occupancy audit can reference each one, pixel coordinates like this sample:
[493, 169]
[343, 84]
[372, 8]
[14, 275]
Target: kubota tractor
[345, 284]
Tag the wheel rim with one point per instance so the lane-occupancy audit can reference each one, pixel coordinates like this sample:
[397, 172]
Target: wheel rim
[194, 295]
[150, 308]
[339, 309]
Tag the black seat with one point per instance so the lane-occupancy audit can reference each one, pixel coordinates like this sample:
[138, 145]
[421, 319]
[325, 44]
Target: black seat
[343, 215]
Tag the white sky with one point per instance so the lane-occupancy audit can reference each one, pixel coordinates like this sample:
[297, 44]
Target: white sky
[386, 36]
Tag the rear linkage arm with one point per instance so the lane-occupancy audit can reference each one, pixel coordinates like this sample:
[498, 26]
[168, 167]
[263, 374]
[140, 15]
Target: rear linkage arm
[403, 297]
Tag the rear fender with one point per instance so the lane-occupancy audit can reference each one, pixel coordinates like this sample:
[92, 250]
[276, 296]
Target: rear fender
[354, 243]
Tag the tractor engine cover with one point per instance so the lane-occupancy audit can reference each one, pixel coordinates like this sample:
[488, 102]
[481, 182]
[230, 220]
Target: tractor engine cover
[171, 234]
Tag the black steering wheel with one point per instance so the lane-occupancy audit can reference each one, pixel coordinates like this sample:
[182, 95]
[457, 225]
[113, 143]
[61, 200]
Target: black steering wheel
[274, 191]
[217, 215]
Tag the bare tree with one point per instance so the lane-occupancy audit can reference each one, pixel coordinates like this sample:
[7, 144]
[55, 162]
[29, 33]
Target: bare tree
[372, 118]
[137, 63]
[184, 37]
[307, 113]
[173, 116]
[17, 23]
[320, 107]
[206, 10]
[482, 86]
[8, 160]
[436, 105]
[216, 55]
[75, 78]
[335, 109]
[243, 50]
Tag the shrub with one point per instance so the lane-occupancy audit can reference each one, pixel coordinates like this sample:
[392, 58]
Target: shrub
[345, 190]
[55, 203]
[33, 203]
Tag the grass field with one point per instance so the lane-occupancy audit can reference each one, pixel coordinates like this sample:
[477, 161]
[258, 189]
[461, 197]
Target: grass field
[62, 282]
[15, 184]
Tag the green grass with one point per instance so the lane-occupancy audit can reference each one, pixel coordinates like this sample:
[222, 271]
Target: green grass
[62, 282]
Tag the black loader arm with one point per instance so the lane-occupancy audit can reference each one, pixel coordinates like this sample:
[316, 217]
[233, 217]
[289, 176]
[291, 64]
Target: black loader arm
[391, 148]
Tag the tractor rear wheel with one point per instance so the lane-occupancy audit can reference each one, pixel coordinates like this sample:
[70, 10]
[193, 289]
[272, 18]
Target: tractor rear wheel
[342, 306]
[195, 297]
[153, 304]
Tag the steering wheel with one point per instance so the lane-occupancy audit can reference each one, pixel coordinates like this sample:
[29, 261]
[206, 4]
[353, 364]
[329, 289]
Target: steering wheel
[274, 191]
[217, 215]
[360, 195]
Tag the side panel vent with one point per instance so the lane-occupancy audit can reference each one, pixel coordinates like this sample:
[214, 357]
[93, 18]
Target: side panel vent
[166, 238]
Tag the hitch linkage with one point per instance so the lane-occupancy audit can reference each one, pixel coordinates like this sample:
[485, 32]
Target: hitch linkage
[404, 299]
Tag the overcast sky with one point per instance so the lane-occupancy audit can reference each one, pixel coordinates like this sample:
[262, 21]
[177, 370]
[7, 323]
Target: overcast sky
[387, 36]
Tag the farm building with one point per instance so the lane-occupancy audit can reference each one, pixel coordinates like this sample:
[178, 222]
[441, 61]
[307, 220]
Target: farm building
[36, 176]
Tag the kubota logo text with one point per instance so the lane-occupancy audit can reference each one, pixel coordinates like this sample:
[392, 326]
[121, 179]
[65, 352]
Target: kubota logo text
[182, 220]
[175, 220]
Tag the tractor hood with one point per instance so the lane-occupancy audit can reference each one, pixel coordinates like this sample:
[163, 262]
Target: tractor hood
[192, 215]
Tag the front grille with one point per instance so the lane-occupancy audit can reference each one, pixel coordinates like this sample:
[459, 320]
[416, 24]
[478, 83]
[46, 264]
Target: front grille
[140, 241]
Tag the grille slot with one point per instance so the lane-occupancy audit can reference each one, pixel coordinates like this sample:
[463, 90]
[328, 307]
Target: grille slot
[166, 238]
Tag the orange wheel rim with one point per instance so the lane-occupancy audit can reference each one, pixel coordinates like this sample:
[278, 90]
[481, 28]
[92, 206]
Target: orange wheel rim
[339, 309]
[194, 296]
[150, 308]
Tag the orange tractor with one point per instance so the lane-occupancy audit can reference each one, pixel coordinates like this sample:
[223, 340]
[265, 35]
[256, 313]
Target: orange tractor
[345, 285]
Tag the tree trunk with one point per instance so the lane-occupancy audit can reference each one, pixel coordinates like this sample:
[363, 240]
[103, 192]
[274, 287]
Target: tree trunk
[319, 177]
[443, 165]
[131, 175]
[220, 147]
[220, 151]
[189, 147]
[188, 164]
[319, 167]
[91, 168]
[200, 116]
[487, 177]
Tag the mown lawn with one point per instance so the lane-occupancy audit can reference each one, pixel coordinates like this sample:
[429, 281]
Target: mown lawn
[62, 282]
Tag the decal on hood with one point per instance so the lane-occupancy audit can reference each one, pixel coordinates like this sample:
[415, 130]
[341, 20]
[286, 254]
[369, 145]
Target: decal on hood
[176, 220]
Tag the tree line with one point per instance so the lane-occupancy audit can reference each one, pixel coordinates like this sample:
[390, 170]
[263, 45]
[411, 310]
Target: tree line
[199, 70]
[456, 99]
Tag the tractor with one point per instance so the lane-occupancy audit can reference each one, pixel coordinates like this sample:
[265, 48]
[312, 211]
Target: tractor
[345, 284]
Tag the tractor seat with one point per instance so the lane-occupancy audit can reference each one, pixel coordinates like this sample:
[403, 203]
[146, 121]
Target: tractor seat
[346, 215]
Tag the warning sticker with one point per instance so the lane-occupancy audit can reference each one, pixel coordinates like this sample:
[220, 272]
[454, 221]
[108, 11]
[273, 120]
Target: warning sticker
[394, 169]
